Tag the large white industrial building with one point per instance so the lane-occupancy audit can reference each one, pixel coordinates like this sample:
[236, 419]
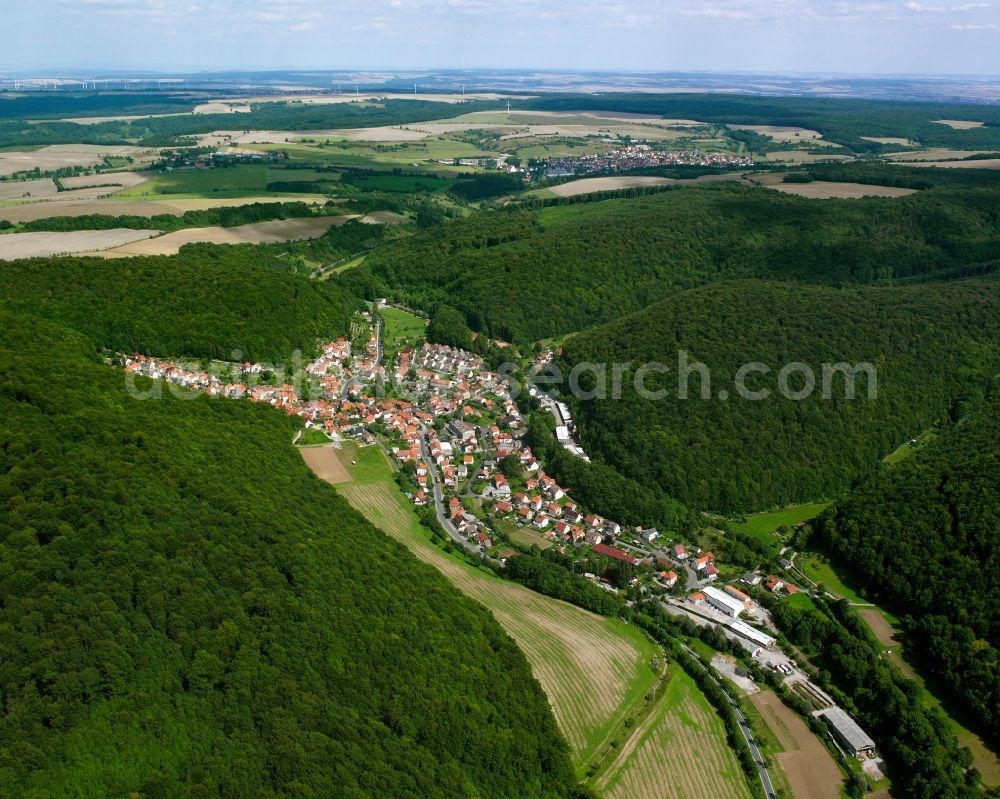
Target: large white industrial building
[729, 605]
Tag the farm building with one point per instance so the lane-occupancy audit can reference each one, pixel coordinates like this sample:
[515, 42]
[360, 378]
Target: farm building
[848, 733]
[615, 554]
[752, 633]
[729, 605]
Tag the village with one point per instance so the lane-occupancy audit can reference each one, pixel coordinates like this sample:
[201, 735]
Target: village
[639, 156]
[454, 429]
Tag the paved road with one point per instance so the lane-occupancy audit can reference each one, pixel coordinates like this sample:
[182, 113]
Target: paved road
[438, 494]
[765, 778]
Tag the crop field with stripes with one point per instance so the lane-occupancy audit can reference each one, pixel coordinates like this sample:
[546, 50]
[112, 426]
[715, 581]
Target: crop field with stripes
[678, 751]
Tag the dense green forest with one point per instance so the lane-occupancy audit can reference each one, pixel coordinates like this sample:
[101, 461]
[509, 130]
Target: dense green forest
[923, 540]
[186, 612]
[925, 761]
[205, 303]
[934, 348]
[529, 274]
[841, 121]
[47, 105]
[629, 500]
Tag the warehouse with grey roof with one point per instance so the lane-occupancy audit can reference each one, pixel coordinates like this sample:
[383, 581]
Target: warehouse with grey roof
[846, 730]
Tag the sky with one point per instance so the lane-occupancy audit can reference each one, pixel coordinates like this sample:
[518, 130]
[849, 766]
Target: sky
[841, 36]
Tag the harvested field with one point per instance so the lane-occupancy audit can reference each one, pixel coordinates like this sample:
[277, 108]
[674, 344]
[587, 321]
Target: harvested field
[385, 218]
[780, 132]
[222, 107]
[41, 245]
[981, 163]
[124, 180]
[809, 767]
[959, 124]
[590, 185]
[824, 190]
[679, 750]
[803, 157]
[594, 670]
[20, 189]
[934, 154]
[26, 212]
[272, 232]
[890, 140]
[326, 464]
[62, 155]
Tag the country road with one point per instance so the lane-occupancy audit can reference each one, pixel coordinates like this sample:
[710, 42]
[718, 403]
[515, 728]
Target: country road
[765, 778]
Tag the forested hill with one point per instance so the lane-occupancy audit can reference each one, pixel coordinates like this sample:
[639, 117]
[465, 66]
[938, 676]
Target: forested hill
[204, 303]
[526, 275]
[934, 346]
[185, 613]
[923, 540]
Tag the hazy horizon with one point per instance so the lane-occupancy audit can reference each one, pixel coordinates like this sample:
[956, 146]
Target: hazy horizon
[852, 37]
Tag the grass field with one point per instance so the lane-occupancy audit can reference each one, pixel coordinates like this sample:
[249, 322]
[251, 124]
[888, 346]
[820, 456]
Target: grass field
[821, 572]
[679, 750]
[594, 670]
[522, 535]
[406, 184]
[906, 449]
[801, 601]
[400, 327]
[313, 437]
[763, 525]
[242, 179]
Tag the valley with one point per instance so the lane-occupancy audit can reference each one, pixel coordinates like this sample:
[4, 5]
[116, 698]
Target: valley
[290, 496]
